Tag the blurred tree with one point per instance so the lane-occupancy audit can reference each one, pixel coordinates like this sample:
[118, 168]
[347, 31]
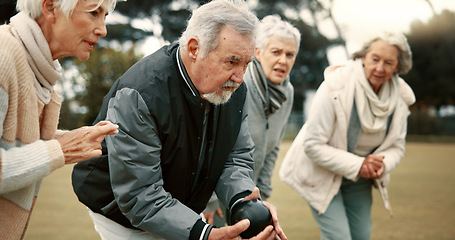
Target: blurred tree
[69, 119]
[98, 73]
[431, 6]
[433, 48]
[172, 15]
[7, 10]
[310, 63]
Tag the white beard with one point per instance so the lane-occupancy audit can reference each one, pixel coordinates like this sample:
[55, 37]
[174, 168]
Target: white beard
[218, 99]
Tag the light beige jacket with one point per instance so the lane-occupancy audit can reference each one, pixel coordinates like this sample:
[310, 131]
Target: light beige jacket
[318, 158]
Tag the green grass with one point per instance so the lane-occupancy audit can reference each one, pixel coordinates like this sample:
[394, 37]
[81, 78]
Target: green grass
[422, 194]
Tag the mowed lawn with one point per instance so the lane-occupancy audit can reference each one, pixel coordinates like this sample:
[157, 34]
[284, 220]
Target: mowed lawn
[422, 194]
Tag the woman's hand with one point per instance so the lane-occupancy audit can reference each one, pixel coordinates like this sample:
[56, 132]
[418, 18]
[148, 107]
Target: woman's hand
[85, 143]
[372, 167]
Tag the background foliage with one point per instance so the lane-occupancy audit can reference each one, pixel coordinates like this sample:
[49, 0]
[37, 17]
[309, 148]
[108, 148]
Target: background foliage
[432, 43]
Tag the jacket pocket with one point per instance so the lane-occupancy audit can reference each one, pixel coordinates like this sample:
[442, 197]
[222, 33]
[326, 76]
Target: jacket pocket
[309, 174]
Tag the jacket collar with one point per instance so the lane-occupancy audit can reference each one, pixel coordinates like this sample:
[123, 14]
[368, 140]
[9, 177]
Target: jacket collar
[185, 75]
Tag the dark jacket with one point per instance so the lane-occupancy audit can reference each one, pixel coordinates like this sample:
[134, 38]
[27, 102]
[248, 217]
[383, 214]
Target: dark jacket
[172, 151]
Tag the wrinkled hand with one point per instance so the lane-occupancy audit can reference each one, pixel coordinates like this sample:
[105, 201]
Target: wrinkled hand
[372, 167]
[269, 233]
[233, 232]
[210, 215]
[85, 143]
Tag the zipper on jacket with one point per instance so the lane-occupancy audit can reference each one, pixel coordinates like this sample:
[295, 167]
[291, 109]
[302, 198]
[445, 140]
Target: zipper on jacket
[203, 145]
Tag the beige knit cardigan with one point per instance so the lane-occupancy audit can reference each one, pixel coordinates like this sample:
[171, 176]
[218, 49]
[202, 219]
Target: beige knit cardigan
[27, 125]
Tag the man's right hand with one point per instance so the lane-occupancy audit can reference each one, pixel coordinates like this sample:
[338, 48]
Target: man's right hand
[233, 232]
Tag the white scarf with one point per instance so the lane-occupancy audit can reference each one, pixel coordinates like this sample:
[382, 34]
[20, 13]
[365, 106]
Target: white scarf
[46, 70]
[374, 109]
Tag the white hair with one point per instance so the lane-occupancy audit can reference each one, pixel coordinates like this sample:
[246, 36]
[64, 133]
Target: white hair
[394, 39]
[272, 25]
[207, 21]
[34, 7]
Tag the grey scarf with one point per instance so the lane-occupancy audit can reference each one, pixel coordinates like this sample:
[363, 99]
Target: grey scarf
[272, 95]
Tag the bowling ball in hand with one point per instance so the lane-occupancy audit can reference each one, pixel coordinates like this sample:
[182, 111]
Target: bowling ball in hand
[258, 214]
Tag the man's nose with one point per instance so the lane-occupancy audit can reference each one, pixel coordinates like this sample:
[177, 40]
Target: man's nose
[237, 77]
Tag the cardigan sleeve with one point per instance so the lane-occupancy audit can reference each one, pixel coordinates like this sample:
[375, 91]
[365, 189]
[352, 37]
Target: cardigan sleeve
[21, 166]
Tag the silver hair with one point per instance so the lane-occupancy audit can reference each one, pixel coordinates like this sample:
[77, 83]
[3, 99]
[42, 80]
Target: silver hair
[272, 25]
[395, 39]
[34, 7]
[207, 21]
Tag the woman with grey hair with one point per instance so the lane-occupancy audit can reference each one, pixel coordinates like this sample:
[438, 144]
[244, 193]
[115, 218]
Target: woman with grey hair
[31, 147]
[353, 138]
[270, 94]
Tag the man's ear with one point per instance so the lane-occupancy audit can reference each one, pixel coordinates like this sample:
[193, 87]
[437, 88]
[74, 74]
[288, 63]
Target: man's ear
[193, 49]
[49, 10]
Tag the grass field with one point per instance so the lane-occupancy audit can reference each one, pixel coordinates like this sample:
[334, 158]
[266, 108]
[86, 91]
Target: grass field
[422, 194]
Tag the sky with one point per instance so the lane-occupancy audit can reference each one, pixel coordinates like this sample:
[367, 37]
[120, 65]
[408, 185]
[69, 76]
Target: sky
[359, 18]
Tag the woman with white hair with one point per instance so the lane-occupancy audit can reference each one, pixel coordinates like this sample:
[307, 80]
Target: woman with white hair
[354, 137]
[31, 147]
[270, 94]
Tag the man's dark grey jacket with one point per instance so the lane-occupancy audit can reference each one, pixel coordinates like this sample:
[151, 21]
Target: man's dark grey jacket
[172, 151]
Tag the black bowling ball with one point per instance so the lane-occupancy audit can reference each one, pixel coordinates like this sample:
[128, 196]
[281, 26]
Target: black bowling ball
[258, 214]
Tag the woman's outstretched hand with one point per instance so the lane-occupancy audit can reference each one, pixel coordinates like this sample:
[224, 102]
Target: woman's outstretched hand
[85, 143]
